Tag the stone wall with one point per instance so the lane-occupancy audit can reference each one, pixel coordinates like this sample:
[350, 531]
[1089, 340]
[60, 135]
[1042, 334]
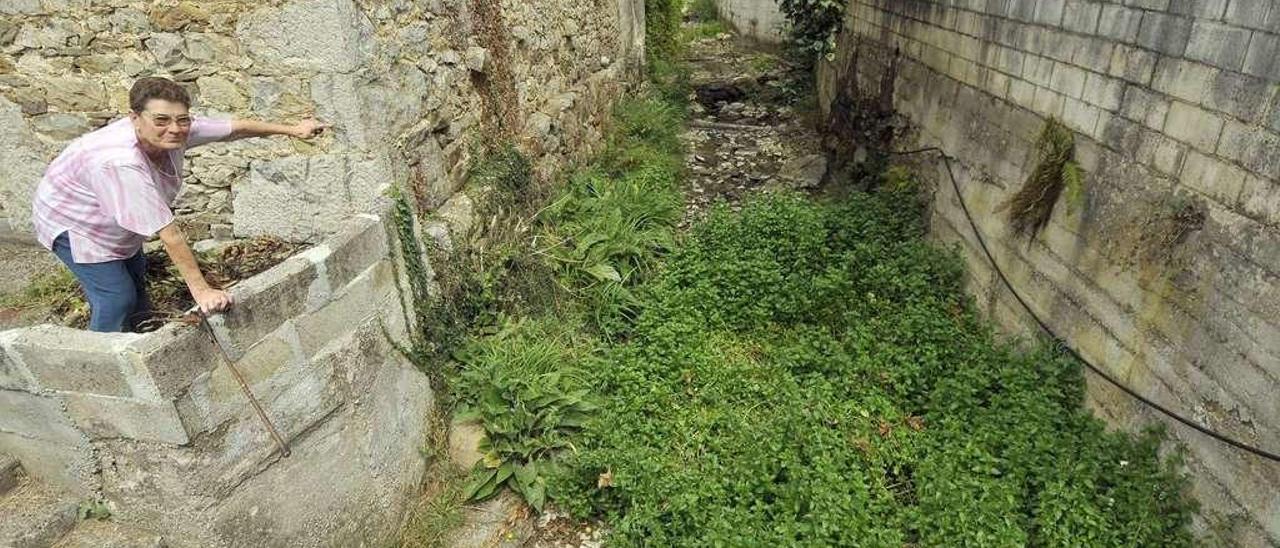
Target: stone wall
[757, 19]
[157, 425]
[408, 85]
[1167, 271]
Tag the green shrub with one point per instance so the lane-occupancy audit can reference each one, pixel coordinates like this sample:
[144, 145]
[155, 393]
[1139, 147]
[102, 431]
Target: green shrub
[813, 25]
[662, 29]
[704, 11]
[523, 385]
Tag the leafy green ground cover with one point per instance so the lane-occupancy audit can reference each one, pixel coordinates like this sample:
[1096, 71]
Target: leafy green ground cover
[798, 373]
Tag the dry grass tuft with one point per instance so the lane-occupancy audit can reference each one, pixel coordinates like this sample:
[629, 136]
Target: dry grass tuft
[1030, 209]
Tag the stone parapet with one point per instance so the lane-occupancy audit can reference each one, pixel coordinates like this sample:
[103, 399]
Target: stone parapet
[157, 422]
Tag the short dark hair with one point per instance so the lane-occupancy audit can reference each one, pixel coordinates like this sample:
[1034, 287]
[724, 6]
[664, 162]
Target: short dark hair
[154, 87]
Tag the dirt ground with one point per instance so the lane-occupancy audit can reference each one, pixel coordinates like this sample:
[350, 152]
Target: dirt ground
[20, 265]
[62, 303]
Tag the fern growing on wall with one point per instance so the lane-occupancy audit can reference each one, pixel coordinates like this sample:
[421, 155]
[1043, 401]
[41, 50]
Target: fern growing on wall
[1056, 171]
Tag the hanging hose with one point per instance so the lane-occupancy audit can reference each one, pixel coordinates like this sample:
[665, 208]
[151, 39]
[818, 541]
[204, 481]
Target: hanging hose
[1097, 371]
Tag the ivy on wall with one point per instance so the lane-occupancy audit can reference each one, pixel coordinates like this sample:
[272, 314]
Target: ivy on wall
[814, 24]
[662, 29]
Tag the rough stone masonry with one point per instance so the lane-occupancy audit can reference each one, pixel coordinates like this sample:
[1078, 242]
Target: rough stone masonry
[155, 424]
[397, 78]
[1167, 271]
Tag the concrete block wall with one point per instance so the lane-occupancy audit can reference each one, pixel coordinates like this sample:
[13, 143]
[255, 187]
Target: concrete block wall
[158, 426]
[1171, 102]
[760, 20]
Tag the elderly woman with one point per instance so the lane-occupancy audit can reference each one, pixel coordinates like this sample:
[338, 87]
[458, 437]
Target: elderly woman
[111, 189]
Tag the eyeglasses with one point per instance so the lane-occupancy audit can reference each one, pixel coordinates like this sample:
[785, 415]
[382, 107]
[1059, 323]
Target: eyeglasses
[163, 120]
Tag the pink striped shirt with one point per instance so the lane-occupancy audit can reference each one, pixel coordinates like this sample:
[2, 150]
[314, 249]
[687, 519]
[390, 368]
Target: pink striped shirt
[106, 195]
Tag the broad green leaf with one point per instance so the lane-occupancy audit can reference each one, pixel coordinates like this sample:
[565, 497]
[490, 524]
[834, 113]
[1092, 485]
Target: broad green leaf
[604, 272]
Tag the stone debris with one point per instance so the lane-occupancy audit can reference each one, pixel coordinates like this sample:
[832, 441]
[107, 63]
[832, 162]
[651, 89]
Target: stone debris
[747, 131]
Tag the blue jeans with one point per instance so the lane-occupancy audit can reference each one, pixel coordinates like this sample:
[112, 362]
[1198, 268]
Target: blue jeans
[117, 290]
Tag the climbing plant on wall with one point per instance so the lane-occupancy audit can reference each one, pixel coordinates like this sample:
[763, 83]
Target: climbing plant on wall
[662, 29]
[814, 24]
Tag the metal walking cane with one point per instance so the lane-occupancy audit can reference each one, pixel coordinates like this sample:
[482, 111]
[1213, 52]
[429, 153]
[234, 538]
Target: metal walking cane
[244, 386]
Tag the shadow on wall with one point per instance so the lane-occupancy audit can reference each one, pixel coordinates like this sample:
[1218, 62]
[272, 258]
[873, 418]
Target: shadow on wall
[756, 19]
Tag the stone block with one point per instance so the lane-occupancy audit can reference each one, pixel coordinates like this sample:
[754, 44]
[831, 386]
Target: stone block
[304, 197]
[358, 301]
[60, 126]
[20, 7]
[1094, 55]
[1165, 33]
[1068, 80]
[263, 303]
[1248, 13]
[1025, 11]
[464, 444]
[361, 242]
[1038, 70]
[1186, 80]
[1263, 59]
[1010, 61]
[1022, 93]
[108, 417]
[1212, 177]
[1080, 116]
[221, 93]
[1253, 147]
[74, 93]
[296, 399]
[1049, 12]
[1133, 64]
[1218, 45]
[13, 376]
[61, 358]
[1103, 92]
[1260, 200]
[174, 356]
[1201, 9]
[1081, 16]
[268, 368]
[1118, 133]
[995, 83]
[308, 35]
[1120, 23]
[1160, 152]
[39, 417]
[1142, 106]
[1193, 125]
[1157, 5]
[1240, 95]
[1048, 102]
[70, 467]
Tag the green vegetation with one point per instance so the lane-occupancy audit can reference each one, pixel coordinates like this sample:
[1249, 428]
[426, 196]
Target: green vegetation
[813, 374]
[708, 29]
[813, 26]
[54, 294]
[662, 29]
[795, 373]
[800, 372]
[703, 11]
[1031, 207]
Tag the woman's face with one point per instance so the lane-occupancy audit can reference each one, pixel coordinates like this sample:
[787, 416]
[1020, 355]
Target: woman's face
[162, 125]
